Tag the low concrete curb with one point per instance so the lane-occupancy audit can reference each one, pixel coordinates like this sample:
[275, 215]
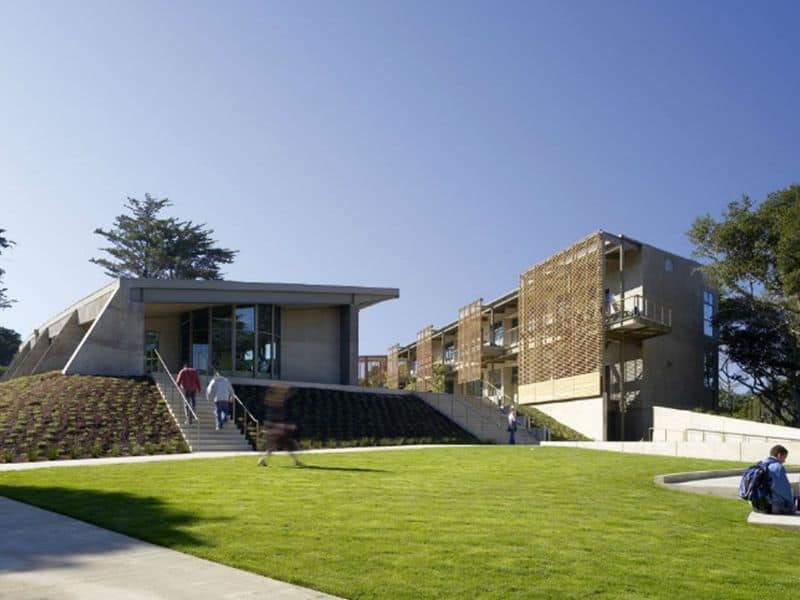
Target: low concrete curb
[786, 521]
[722, 483]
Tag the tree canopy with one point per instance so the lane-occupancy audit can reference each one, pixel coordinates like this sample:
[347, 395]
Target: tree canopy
[5, 302]
[753, 256]
[145, 244]
[9, 344]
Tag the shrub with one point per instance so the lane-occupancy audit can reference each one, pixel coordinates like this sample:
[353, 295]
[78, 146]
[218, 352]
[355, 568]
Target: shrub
[80, 415]
[136, 449]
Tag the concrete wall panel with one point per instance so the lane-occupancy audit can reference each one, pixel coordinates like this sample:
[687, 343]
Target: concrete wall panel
[734, 451]
[114, 344]
[585, 416]
[37, 351]
[169, 342]
[62, 345]
[310, 348]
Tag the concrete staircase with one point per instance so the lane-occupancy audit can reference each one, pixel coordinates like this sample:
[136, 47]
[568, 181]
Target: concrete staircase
[201, 435]
[478, 415]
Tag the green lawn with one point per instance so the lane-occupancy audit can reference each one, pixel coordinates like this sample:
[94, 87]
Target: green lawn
[482, 522]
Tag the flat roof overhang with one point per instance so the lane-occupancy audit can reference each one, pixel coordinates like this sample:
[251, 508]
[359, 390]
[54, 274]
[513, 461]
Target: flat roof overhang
[182, 292]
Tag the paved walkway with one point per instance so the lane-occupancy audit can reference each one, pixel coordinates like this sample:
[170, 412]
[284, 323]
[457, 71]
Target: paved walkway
[45, 555]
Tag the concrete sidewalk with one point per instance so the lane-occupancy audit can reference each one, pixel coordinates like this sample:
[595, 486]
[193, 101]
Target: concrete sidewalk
[46, 555]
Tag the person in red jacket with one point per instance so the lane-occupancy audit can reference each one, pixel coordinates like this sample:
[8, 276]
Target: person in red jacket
[189, 382]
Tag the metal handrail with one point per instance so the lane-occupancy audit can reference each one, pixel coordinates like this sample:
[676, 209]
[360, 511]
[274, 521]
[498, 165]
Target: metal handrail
[506, 400]
[637, 306]
[187, 407]
[246, 412]
[744, 437]
[513, 337]
[249, 415]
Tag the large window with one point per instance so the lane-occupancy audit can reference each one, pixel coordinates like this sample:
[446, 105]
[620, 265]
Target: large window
[150, 349]
[243, 341]
[268, 342]
[708, 313]
[710, 369]
[199, 337]
[222, 338]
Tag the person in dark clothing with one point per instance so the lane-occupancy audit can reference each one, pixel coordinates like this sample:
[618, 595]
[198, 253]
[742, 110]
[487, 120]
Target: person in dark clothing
[280, 432]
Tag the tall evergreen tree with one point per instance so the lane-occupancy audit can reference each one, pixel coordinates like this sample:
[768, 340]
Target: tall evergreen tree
[753, 256]
[144, 244]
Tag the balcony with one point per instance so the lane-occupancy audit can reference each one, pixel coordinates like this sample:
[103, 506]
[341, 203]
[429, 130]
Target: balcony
[448, 359]
[637, 317]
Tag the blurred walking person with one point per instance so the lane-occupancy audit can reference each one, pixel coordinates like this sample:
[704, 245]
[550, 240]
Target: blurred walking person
[280, 432]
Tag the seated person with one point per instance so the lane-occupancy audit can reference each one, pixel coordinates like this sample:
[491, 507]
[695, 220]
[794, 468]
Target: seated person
[779, 487]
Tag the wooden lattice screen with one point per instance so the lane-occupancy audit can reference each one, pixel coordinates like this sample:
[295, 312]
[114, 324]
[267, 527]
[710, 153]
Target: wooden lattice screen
[425, 359]
[393, 367]
[561, 327]
[468, 342]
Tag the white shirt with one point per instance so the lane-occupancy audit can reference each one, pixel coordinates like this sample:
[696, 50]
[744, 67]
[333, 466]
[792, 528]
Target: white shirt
[219, 390]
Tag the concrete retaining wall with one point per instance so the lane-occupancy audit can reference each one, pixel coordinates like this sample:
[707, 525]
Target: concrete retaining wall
[684, 425]
[749, 452]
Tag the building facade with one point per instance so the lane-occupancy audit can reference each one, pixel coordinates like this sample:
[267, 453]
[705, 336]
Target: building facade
[289, 332]
[595, 335]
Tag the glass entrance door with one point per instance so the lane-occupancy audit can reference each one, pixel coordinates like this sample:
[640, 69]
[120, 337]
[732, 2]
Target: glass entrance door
[150, 347]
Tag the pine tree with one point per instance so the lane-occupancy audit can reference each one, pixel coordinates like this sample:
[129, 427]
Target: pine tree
[146, 245]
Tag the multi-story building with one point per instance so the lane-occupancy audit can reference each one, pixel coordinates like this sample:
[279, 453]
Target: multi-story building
[595, 336]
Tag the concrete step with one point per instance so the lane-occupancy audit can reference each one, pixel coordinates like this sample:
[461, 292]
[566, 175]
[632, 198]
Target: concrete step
[227, 439]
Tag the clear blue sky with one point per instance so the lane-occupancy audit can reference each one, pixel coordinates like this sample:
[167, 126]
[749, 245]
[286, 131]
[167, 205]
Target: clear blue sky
[440, 148]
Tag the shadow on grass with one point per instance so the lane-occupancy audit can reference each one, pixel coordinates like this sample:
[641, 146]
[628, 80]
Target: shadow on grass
[350, 469]
[37, 539]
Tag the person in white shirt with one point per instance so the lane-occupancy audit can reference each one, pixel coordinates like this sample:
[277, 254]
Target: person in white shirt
[220, 392]
[512, 425]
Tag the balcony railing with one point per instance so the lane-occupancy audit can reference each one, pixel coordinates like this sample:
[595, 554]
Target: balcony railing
[512, 337]
[638, 314]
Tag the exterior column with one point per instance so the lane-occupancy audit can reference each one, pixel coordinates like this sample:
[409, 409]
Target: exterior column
[348, 345]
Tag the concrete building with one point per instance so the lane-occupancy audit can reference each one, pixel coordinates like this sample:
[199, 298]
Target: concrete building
[596, 335]
[291, 332]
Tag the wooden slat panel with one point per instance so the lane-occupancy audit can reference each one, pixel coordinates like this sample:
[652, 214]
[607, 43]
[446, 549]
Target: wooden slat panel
[425, 359]
[561, 326]
[393, 367]
[468, 342]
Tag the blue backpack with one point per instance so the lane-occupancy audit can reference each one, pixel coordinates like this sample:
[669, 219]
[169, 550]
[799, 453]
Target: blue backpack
[754, 487]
